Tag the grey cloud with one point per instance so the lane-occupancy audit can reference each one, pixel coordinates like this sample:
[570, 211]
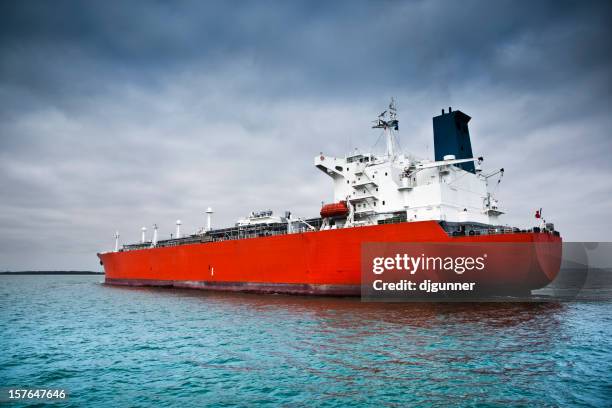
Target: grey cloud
[117, 115]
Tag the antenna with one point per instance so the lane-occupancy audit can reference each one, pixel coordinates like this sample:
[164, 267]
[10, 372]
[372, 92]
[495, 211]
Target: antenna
[393, 112]
[389, 125]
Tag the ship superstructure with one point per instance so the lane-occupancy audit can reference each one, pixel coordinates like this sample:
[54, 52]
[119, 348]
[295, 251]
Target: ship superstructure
[397, 186]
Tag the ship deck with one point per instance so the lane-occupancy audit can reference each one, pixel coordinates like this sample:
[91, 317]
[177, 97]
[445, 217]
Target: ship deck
[453, 229]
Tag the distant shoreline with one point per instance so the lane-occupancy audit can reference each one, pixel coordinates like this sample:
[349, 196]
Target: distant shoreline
[51, 273]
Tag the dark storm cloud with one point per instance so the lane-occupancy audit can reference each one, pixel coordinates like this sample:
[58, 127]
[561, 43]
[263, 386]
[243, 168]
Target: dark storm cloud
[121, 114]
[342, 45]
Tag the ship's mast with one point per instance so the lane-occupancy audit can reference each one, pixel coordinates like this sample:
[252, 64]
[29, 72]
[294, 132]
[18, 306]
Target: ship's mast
[387, 121]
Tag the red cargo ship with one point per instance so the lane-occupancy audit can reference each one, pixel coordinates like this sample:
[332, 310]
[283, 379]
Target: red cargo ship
[388, 198]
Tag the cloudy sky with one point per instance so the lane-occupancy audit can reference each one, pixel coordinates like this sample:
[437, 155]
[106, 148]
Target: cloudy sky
[115, 115]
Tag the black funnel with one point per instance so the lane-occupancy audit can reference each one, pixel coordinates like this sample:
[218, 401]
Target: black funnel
[452, 136]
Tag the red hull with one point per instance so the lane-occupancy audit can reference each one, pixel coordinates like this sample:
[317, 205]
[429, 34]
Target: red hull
[322, 262]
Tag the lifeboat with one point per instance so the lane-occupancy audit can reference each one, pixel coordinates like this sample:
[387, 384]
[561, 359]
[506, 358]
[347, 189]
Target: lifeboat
[339, 209]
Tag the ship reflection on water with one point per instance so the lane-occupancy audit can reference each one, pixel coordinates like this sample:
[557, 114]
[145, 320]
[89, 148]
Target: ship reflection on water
[345, 310]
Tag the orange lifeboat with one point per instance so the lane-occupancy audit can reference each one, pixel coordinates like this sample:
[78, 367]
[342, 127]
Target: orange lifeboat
[339, 209]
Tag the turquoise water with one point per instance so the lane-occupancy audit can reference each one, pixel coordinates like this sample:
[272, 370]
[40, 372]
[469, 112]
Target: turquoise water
[114, 346]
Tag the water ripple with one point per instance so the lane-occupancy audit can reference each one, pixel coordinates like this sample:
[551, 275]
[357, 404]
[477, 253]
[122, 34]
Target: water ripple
[142, 347]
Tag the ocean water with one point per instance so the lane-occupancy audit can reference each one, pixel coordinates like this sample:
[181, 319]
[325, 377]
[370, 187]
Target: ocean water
[112, 346]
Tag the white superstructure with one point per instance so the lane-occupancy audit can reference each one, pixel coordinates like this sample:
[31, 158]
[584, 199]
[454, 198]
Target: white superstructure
[377, 187]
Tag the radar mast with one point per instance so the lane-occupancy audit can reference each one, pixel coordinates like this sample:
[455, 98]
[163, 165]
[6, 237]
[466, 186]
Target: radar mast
[387, 121]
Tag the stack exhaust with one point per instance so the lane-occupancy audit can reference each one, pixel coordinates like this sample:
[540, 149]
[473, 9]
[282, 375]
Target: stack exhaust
[452, 137]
